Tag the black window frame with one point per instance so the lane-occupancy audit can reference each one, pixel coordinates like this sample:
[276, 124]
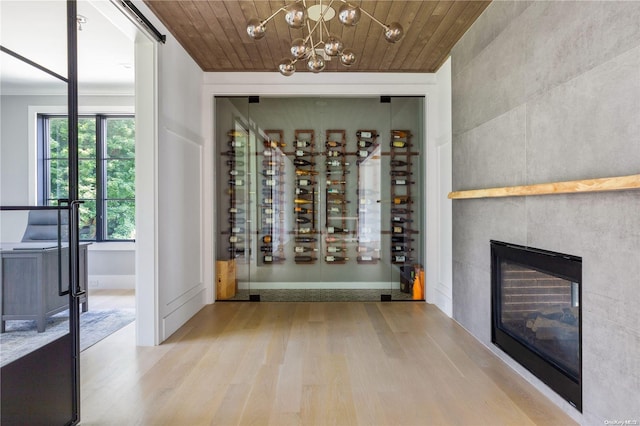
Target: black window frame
[101, 159]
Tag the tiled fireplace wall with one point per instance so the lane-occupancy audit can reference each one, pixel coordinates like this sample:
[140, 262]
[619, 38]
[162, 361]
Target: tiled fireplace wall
[544, 92]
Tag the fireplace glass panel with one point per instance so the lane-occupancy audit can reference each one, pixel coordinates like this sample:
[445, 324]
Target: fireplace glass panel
[542, 312]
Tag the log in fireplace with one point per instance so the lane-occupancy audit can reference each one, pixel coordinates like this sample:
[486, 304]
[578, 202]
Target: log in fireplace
[536, 314]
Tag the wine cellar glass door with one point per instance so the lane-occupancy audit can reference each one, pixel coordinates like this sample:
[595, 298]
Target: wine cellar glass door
[322, 197]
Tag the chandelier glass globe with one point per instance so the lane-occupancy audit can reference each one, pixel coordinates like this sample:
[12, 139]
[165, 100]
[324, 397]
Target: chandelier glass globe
[316, 64]
[286, 67]
[347, 57]
[393, 32]
[295, 15]
[255, 29]
[349, 15]
[333, 46]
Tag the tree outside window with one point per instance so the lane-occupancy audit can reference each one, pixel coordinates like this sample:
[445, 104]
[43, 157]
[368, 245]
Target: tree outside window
[106, 173]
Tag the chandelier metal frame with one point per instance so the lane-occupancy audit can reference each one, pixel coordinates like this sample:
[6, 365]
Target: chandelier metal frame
[317, 50]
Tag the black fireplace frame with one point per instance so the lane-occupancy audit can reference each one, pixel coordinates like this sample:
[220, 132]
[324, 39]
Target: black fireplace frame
[557, 264]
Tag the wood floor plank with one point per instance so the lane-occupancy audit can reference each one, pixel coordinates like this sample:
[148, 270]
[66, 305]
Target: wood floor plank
[308, 363]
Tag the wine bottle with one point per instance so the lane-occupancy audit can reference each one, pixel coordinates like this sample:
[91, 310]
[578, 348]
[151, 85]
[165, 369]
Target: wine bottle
[366, 258]
[306, 239]
[273, 144]
[302, 210]
[334, 209]
[363, 153]
[237, 230]
[304, 258]
[267, 153]
[400, 239]
[267, 201]
[301, 162]
[302, 153]
[399, 249]
[236, 143]
[237, 220]
[268, 258]
[333, 239]
[234, 239]
[365, 249]
[398, 163]
[333, 144]
[303, 249]
[401, 200]
[365, 144]
[302, 144]
[234, 163]
[401, 259]
[268, 210]
[397, 230]
[399, 144]
[400, 210]
[335, 249]
[304, 230]
[270, 172]
[302, 191]
[302, 201]
[400, 173]
[336, 182]
[235, 210]
[400, 134]
[365, 134]
[399, 219]
[269, 182]
[269, 220]
[234, 153]
[334, 191]
[266, 248]
[302, 219]
[234, 172]
[338, 201]
[236, 182]
[332, 258]
[401, 182]
[267, 239]
[334, 153]
[306, 172]
[337, 172]
[237, 250]
[305, 182]
[336, 230]
[336, 163]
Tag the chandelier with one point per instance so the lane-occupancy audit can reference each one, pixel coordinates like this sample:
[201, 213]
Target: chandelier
[319, 45]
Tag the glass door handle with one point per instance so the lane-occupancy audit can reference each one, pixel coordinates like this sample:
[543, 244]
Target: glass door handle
[74, 239]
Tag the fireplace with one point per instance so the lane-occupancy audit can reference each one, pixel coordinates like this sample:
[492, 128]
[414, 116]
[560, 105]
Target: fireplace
[536, 314]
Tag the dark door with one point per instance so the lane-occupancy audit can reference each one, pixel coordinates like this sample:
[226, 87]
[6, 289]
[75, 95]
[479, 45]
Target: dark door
[40, 269]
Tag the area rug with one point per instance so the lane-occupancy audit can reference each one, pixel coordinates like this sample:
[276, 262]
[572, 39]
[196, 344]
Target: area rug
[21, 337]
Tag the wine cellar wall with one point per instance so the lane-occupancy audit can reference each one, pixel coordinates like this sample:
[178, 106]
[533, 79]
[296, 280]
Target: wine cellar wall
[319, 204]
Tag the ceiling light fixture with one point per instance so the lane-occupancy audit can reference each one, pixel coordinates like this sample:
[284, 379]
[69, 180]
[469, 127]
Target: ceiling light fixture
[316, 51]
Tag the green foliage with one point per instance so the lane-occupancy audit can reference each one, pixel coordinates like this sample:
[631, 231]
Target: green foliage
[120, 167]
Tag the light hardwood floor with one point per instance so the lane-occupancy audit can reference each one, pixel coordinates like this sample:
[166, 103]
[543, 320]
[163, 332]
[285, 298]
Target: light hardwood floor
[311, 363]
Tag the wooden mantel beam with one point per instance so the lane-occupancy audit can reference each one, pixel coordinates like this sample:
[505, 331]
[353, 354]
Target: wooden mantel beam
[618, 183]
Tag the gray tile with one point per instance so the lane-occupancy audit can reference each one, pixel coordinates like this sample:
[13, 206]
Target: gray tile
[566, 39]
[492, 154]
[588, 127]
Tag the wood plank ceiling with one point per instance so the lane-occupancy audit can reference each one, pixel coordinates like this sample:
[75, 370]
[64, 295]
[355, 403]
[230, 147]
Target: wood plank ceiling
[214, 33]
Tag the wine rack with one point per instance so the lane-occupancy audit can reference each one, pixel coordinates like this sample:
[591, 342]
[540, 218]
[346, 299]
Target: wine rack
[305, 199]
[271, 210]
[401, 198]
[335, 197]
[237, 190]
[368, 155]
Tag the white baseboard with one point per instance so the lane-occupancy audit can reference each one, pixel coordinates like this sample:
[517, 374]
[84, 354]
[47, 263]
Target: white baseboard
[112, 281]
[319, 285]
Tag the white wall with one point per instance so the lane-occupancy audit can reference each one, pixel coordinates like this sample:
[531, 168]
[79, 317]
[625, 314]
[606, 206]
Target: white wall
[172, 189]
[436, 89]
[109, 266]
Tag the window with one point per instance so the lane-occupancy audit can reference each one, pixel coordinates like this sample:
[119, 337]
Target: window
[106, 172]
